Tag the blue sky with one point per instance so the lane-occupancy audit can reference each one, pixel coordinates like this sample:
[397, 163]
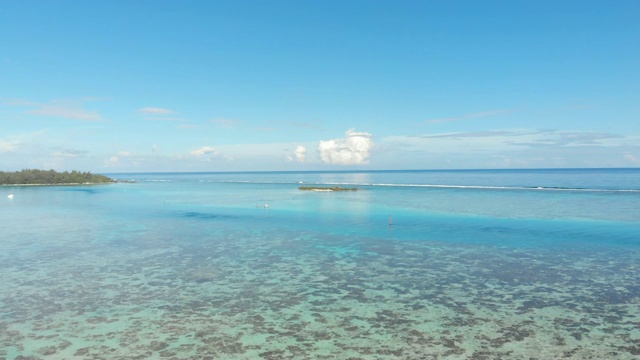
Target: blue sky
[129, 86]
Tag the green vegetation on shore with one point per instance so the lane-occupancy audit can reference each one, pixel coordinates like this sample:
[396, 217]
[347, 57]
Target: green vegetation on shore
[51, 177]
[317, 188]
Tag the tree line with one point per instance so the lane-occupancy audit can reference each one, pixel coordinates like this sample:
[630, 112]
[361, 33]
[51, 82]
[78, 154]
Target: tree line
[51, 177]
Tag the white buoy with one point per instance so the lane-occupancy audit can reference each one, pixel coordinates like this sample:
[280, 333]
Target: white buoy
[266, 206]
[10, 196]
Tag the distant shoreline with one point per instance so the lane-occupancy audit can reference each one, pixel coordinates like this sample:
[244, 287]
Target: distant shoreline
[66, 184]
[35, 177]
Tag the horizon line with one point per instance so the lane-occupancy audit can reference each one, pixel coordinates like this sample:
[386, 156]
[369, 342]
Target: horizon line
[368, 170]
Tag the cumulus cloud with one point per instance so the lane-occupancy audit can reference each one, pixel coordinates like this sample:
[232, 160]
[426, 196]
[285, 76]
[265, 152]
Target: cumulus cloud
[300, 153]
[353, 149]
[206, 153]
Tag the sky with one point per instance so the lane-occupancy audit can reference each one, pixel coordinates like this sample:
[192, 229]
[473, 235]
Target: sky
[160, 86]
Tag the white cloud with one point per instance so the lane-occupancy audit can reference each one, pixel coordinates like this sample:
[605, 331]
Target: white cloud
[96, 98]
[68, 109]
[225, 123]
[631, 158]
[353, 149]
[206, 153]
[159, 114]
[127, 160]
[499, 140]
[115, 160]
[509, 148]
[300, 153]
[18, 102]
[19, 143]
[155, 111]
[67, 112]
[68, 154]
[7, 146]
[112, 161]
[469, 116]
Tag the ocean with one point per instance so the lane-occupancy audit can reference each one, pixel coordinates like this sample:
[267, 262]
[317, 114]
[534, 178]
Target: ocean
[437, 264]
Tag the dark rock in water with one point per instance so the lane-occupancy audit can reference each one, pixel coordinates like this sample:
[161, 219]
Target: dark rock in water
[65, 344]
[199, 215]
[633, 350]
[48, 350]
[320, 188]
[158, 345]
[81, 352]
[273, 354]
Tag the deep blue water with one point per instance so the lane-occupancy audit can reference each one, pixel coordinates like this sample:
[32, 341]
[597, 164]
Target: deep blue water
[475, 264]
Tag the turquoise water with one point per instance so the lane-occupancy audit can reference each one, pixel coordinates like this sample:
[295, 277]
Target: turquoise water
[507, 264]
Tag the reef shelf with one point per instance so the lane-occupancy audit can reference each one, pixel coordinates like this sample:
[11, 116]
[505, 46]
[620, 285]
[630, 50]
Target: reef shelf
[318, 188]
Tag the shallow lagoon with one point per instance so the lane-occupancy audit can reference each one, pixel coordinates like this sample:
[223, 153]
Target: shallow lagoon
[479, 265]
